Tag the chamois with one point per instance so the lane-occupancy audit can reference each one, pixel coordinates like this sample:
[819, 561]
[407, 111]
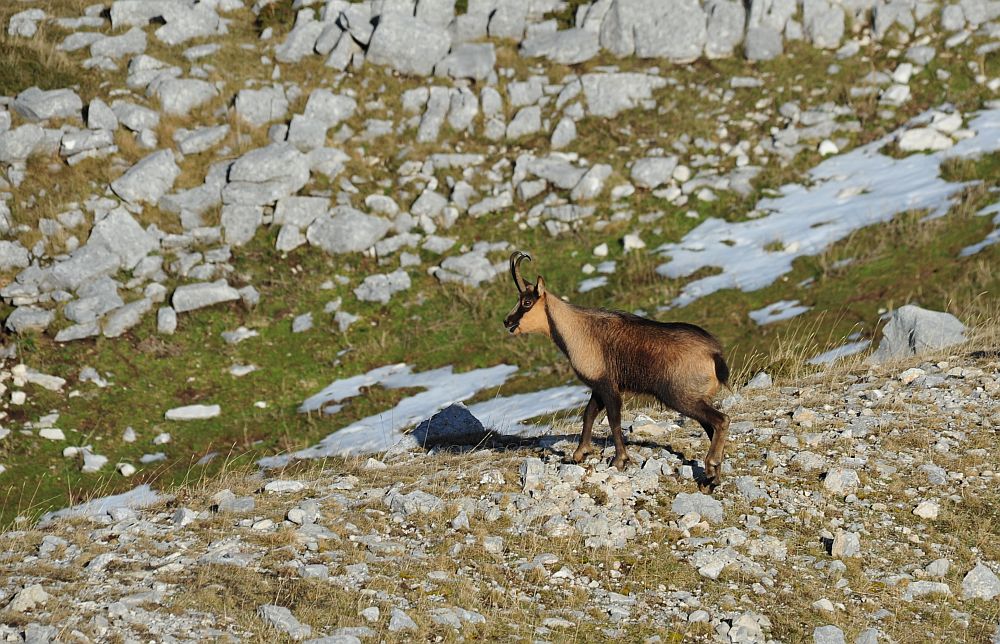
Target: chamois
[614, 352]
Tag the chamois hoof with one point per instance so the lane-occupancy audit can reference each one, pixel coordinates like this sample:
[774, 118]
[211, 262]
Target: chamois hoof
[581, 454]
[620, 462]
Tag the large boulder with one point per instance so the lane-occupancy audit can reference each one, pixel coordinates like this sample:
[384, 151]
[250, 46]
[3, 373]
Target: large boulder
[678, 33]
[264, 175]
[726, 21]
[453, 425]
[408, 45]
[149, 179]
[567, 47]
[610, 94]
[346, 230]
[34, 104]
[120, 234]
[912, 330]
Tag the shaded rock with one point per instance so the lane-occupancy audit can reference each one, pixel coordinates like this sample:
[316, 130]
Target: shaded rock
[453, 425]
[912, 330]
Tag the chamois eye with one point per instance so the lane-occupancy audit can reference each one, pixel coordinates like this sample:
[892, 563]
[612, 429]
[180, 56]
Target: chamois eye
[526, 302]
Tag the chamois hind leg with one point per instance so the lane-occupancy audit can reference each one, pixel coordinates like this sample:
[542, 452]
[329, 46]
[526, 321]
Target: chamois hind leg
[716, 425]
[594, 408]
[614, 404]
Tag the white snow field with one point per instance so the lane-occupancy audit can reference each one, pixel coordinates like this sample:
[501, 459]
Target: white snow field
[843, 193]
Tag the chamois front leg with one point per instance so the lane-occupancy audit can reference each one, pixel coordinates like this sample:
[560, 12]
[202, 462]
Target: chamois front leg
[594, 408]
[614, 404]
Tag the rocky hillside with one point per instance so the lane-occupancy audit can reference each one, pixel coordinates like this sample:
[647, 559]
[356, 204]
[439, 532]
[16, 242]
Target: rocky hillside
[858, 505]
[245, 234]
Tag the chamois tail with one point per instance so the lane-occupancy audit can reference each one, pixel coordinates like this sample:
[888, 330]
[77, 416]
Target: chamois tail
[721, 370]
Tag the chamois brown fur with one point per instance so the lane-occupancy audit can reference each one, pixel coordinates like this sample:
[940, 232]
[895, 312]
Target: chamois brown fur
[615, 353]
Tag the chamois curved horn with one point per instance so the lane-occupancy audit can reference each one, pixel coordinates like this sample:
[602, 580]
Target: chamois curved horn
[515, 269]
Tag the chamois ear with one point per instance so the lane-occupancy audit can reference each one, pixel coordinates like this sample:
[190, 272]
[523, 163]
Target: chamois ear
[540, 285]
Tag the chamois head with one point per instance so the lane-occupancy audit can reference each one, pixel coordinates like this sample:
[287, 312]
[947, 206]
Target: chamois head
[528, 315]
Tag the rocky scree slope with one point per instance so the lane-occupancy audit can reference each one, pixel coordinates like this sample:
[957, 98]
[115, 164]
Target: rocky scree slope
[857, 505]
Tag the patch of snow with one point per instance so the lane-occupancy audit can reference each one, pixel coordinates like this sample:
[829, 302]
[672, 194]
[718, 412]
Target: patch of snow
[379, 432]
[442, 387]
[992, 238]
[778, 311]
[843, 193]
[832, 355]
[505, 415]
[592, 283]
[139, 497]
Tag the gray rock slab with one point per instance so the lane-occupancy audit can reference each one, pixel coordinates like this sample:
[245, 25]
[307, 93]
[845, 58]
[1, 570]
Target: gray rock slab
[708, 507]
[166, 321]
[675, 30]
[84, 264]
[13, 255]
[149, 179]
[608, 95]
[79, 332]
[329, 108]
[282, 619]
[114, 47]
[240, 223]
[34, 104]
[264, 175]
[261, 106]
[566, 47]
[380, 288]
[124, 237]
[828, 635]
[408, 45]
[653, 172]
[346, 230]
[195, 296]
[178, 96]
[18, 144]
[122, 319]
[912, 330]
[135, 117]
[306, 133]
[473, 61]
[201, 139]
[300, 211]
[80, 141]
[725, 27]
[301, 40]
[453, 425]
[762, 43]
[980, 583]
[29, 318]
[100, 116]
